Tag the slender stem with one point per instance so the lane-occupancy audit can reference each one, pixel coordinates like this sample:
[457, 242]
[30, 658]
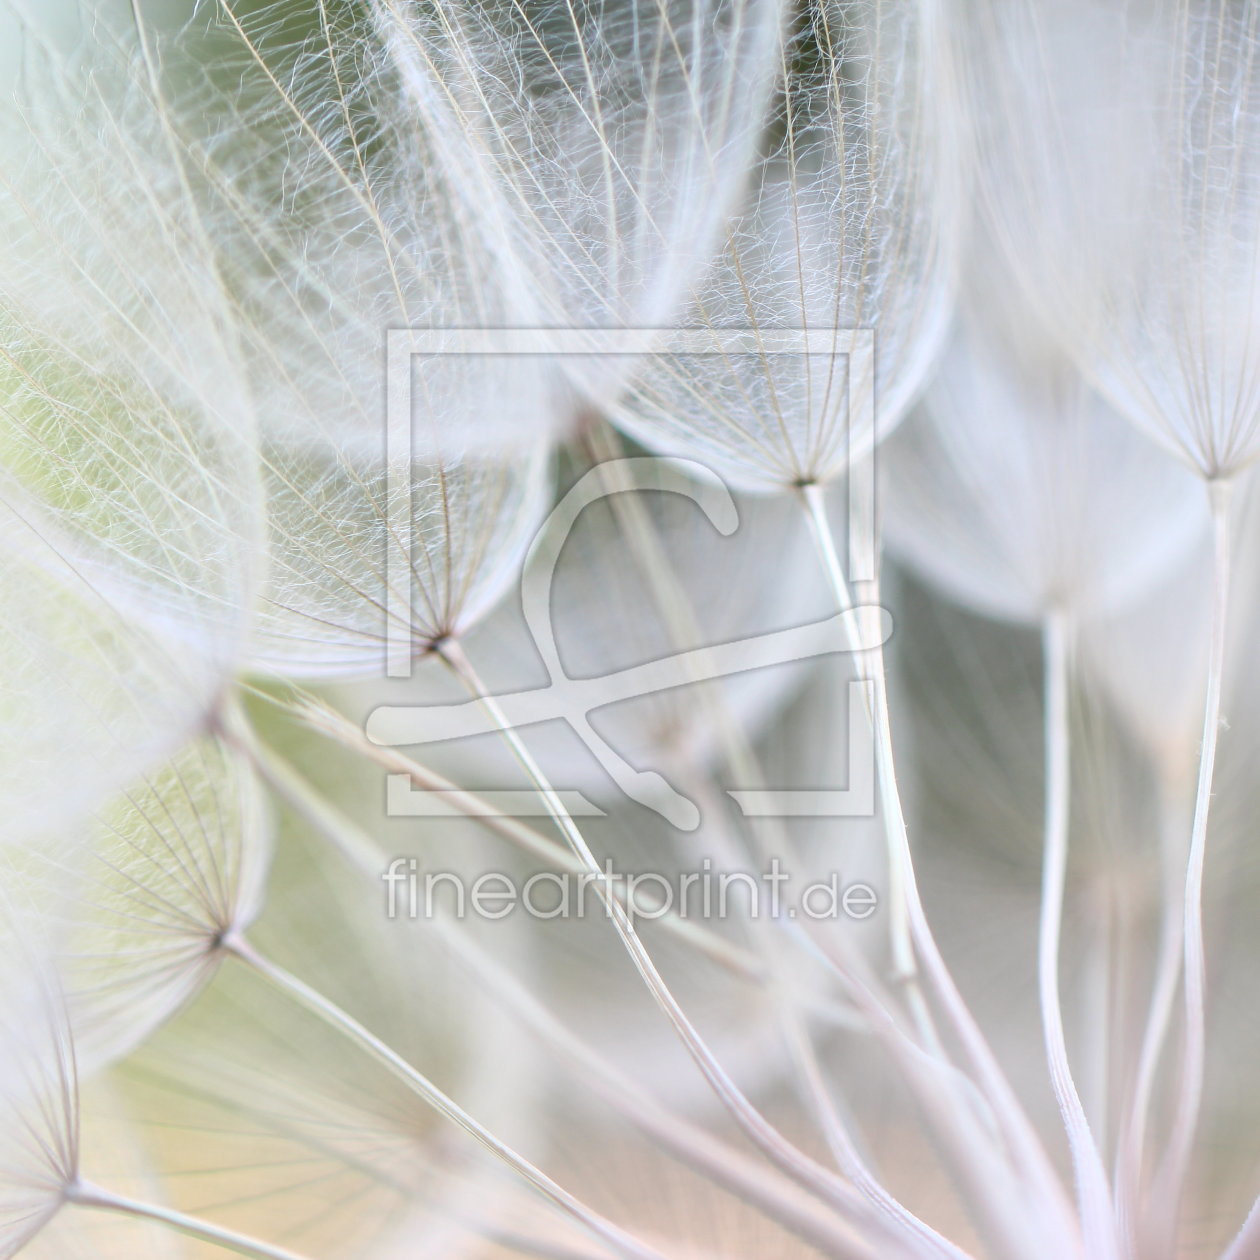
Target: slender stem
[790, 1158]
[699, 1150]
[331, 1014]
[1101, 985]
[991, 1187]
[768, 839]
[899, 874]
[85, 1194]
[677, 1135]
[1093, 1191]
[918, 1234]
[1172, 1178]
[749, 1180]
[1130, 1158]
[911, 934]
[281, 777]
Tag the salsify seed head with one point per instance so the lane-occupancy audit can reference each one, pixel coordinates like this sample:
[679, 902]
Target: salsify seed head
[1116, 146]
[1018, 489]
[145, 895]
[848, 227]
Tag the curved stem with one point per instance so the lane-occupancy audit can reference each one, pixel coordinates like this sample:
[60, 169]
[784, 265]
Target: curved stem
[1130, 1157]
[709, 1156]
[767, 839]
[911, 933]
[697, 1149]
[1172, 1178]
[790, 1158]
[282, 778]
[1092, 1188]
[900, 876]
[927, 1078]
[919, 1236]
[332, 1015]
[85, 1194]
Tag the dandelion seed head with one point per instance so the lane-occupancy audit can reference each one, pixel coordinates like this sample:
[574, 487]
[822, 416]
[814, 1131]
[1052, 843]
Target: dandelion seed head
[145, 895]
[609, 139]
[1117, 148]
[848, 225]
[1018, 490]
[131, 519]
